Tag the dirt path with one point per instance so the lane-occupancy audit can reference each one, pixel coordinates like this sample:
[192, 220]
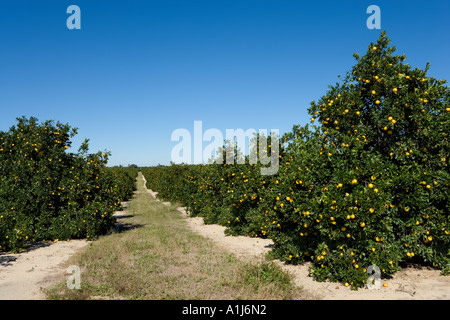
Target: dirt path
[407, 284]
[22, 275]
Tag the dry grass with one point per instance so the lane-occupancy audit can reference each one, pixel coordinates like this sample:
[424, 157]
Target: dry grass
[156, 256]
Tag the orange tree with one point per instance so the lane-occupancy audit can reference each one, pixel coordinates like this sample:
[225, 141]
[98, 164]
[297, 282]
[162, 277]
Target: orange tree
[229, 194]
[173, 183]
[247, 190]
[47, 193]
[370, 185]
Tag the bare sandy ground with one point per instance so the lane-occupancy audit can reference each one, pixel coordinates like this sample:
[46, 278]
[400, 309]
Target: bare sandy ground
[22, 275]
[25, 274]
[407, 284]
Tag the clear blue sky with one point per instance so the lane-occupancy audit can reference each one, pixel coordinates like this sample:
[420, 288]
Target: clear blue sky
[138, 70]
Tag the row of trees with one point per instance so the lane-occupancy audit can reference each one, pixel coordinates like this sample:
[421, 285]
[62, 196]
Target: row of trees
[366, 183]
[47, 193]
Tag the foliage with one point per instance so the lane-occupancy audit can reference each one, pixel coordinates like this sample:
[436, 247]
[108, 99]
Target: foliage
[49, 194]
[368, 185]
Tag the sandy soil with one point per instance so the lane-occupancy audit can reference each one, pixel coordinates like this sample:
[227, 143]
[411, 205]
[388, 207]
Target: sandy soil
[407, 284]
[22, 275]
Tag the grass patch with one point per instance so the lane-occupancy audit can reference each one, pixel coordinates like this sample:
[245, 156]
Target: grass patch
[161, 258]
[265, 275]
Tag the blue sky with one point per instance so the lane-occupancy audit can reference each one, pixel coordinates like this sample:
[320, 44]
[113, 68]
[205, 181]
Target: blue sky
[138, 70]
